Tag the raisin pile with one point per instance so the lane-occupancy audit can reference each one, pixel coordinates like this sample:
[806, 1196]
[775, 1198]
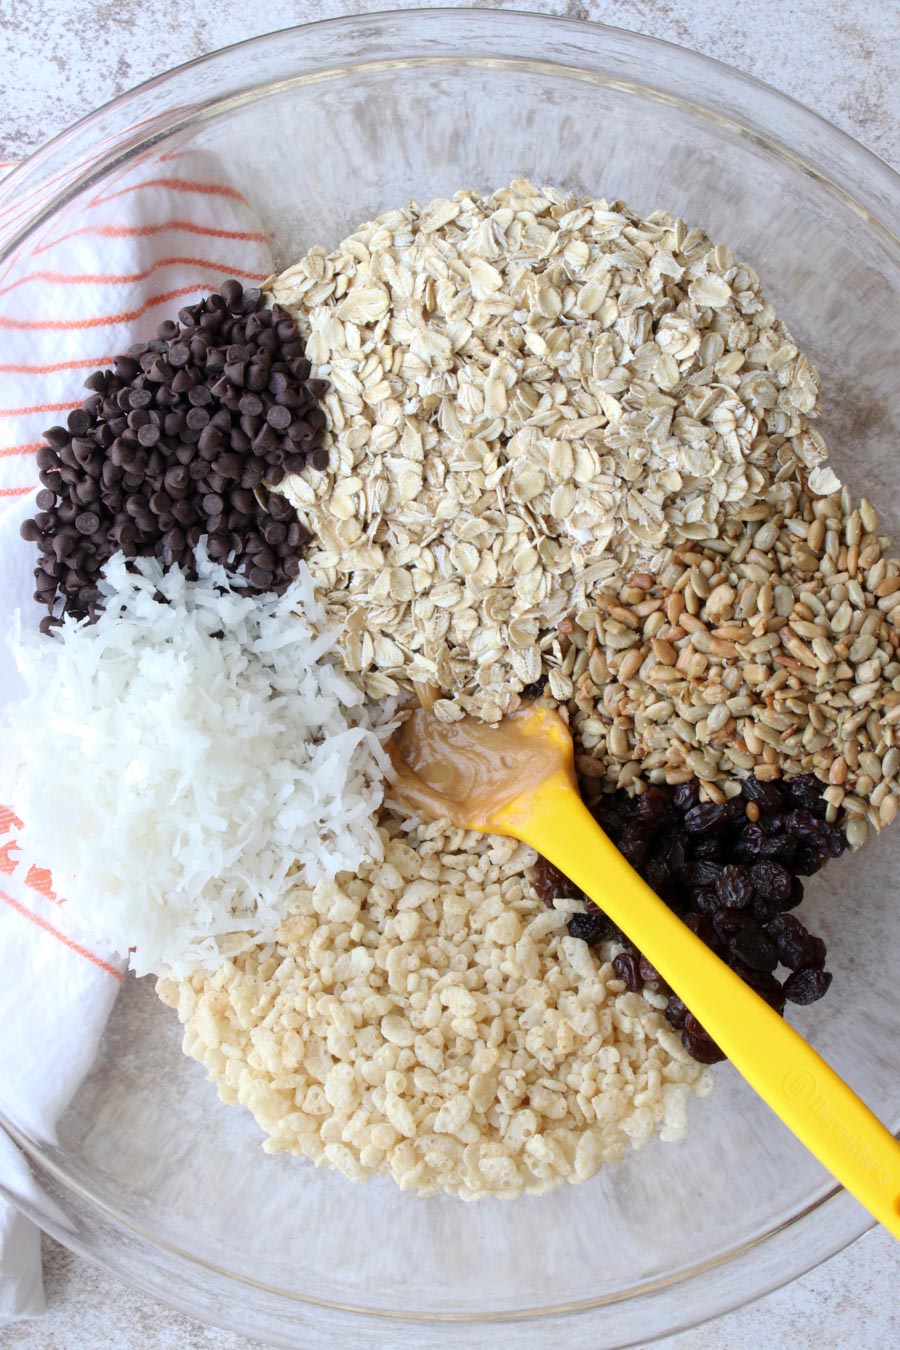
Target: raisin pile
[732, 872]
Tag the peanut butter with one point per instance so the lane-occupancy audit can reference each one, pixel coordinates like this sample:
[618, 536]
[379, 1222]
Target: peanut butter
[469, 771]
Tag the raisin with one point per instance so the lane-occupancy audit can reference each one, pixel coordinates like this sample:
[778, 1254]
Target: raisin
[701, 925]
[706, 900]
[769, 797]
[729, 922]
[796, 896]
[734, 887]
[649, 974]
[807, 986]
[657, 875]
[805, 790]
[533, 690]
[693, 1027]
[676, 1012]
[550, 884]
[701, 1048]
[634, 844]
[686, 795]
[709, 847]
[610, 812]
[762, 983]
[807, 861]
[701, 873]
[750, 843]
[673, 854]
[706, 816]
[592, 927]
[817, 952]
[763, 911]
[806, 828]
[654, 808]
[797, 948]
[755, 950]
[790, 938]
[627, 968]
[756, 844]
[771, 881]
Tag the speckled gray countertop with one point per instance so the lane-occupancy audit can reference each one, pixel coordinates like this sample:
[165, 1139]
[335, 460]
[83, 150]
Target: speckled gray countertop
[61, 58]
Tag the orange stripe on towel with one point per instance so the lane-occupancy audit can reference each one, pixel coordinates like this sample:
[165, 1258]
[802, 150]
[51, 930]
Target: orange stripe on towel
[91, 361]
[174, 185]
[126, 278]
[99, 321]
[61, 937]
[40, 407]
[26, 449]
[139, 231]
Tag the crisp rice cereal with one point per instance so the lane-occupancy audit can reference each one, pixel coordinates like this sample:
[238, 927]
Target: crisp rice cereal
[430, 1020]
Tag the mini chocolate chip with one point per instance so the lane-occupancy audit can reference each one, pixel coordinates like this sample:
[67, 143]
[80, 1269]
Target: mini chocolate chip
[279, 417]
[98, 381]
[126, 367]
[257, 377]
[179, 354]
[159, 371]
[228, 465]
[182, 382]
[211, 441]
[233, 294]
[79, 422]
[174, 423]
[266, 441]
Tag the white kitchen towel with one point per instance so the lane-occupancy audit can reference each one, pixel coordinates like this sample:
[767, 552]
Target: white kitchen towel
[164, 232]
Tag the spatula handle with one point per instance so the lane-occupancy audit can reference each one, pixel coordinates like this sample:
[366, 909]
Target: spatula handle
[812, 1100]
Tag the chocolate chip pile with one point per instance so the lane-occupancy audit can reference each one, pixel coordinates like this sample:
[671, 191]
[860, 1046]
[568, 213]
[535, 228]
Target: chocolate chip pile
[732, 872]
[183, 437]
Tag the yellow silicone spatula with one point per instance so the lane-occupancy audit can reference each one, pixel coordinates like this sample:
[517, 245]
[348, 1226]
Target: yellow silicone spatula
[518, 778]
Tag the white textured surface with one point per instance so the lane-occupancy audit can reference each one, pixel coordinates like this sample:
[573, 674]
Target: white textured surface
[61, 58]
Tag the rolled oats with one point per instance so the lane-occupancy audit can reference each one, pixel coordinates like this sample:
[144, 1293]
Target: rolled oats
[531, 395]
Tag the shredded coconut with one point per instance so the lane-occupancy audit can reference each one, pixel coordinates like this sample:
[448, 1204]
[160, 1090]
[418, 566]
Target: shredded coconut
[184, 761]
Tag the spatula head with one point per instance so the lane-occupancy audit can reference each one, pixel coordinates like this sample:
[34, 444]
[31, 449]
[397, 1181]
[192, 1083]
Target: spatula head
[479, 776]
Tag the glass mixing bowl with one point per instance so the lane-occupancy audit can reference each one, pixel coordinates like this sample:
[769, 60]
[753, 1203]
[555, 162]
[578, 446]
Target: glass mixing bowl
[324, 126]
